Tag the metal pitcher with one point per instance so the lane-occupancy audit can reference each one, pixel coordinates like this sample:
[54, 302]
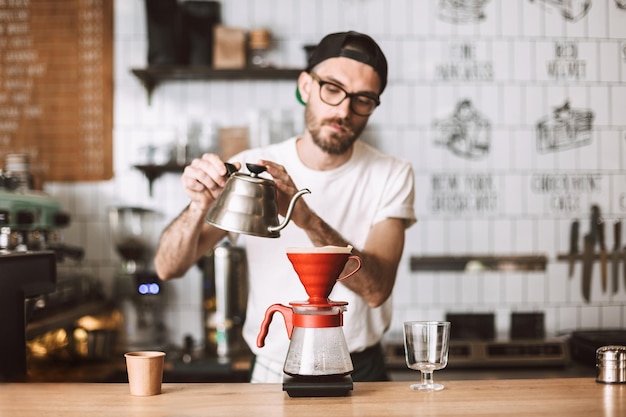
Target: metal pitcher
[249, 205]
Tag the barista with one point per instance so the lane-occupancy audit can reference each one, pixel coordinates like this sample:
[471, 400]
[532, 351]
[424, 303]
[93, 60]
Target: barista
[359, 197]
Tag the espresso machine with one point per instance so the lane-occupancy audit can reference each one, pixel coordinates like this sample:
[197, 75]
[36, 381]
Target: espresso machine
[318, 362]
[138, 290]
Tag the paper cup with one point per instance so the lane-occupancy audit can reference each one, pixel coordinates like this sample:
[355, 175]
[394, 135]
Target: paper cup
[145, 372]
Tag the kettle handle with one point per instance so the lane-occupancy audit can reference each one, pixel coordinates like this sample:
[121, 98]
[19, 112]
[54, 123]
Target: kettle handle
[287, 313]
[230, 168]
[356, 258]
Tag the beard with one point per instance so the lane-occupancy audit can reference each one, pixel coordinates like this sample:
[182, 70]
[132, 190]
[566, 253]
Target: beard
[335, 143]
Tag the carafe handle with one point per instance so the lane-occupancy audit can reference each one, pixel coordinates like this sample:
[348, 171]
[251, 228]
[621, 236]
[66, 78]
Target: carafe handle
[356, 258]
[287, 313]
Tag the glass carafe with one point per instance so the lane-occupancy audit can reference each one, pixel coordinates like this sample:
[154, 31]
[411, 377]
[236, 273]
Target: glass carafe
[318, 351]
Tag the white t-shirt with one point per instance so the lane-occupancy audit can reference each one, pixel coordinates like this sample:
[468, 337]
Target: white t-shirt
[367, 189]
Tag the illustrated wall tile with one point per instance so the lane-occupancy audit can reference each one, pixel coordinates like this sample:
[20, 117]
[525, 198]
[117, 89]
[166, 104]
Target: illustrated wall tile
[550, 315]
[598, 103]
[608, 142]
[502, 237]
[511, 198]
[536, 198]
[546, 239]
[568, 318]
[523, 58]
[589, 155]
[501, 147]
[457, 236]
[544, 54]
[622, 61]
[522, 148]
[423, 110]
[523, 236]
[420, 16]
[398, 103]
[448, 289]
[471, 289]
[411, 61]
[578, 21]
[618, 104]
[425, 289]
[610, 317]
[239, 13]
[376, 15]
[403, 292]
[514, 288]
[596, 20]
[510, 19]
[489, 101]
[590, 317]
[533, 19]
[491, 291]
[536, 289]
[546, 161]
[615, 16]
[618, 197]
[481, 232]
[535, 106]
[501, 61]
[308, 12]
[434, 54]
[565, 161]
[552, 19]
[260, 15]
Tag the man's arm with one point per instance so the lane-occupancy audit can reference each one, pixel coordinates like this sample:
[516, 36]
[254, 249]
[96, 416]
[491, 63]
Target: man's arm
[380, 256]
[183, 242]
[188, 237]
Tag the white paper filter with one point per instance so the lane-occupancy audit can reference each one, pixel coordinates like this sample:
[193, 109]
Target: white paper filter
[322, 249]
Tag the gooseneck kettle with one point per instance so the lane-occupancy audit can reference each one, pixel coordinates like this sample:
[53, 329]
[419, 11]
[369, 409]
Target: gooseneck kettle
[248, 204]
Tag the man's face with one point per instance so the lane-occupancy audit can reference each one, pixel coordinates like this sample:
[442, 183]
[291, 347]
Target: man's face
[335, 128]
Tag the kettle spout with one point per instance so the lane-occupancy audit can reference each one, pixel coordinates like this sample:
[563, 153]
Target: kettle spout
[292, 204]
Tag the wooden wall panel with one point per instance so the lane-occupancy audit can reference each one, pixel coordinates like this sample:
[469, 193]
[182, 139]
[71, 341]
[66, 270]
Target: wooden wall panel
[56, 86]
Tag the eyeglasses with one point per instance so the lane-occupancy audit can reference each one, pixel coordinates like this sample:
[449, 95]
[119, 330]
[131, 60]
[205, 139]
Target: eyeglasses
[360, 103]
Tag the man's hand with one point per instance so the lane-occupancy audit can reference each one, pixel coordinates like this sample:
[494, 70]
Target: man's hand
[286, 189]
[204, 179]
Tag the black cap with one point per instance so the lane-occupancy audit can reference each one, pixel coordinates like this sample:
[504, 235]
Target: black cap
[333, 45]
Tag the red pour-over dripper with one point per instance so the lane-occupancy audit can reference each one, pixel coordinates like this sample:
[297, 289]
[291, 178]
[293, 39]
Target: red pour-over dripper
[319, 269]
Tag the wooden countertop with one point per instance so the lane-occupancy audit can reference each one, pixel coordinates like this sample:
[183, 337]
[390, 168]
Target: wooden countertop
[529, 397]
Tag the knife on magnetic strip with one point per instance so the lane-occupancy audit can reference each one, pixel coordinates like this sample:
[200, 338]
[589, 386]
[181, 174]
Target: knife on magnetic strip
[617, 254]
[588, 255]
[587, 266]
[603, 255]
[573, 245]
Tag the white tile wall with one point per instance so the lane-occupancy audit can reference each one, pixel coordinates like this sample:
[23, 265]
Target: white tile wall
[515, 37]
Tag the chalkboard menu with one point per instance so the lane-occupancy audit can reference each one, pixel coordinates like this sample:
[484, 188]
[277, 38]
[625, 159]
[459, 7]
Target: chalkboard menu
[56, 86]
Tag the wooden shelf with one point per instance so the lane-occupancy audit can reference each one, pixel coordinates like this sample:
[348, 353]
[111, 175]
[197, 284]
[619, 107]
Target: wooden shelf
[152, 172]
[478, 263]
[151, 77]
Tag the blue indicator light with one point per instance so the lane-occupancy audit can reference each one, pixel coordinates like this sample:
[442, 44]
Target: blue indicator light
[151, 288]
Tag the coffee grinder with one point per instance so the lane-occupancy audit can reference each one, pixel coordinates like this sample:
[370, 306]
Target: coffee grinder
[318, 362]
[138, 289]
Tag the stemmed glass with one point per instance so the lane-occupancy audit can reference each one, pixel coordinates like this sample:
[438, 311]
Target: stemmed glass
[426, 350]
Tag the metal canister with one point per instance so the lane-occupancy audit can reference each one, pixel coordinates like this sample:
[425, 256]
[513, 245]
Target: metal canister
[611, 364]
